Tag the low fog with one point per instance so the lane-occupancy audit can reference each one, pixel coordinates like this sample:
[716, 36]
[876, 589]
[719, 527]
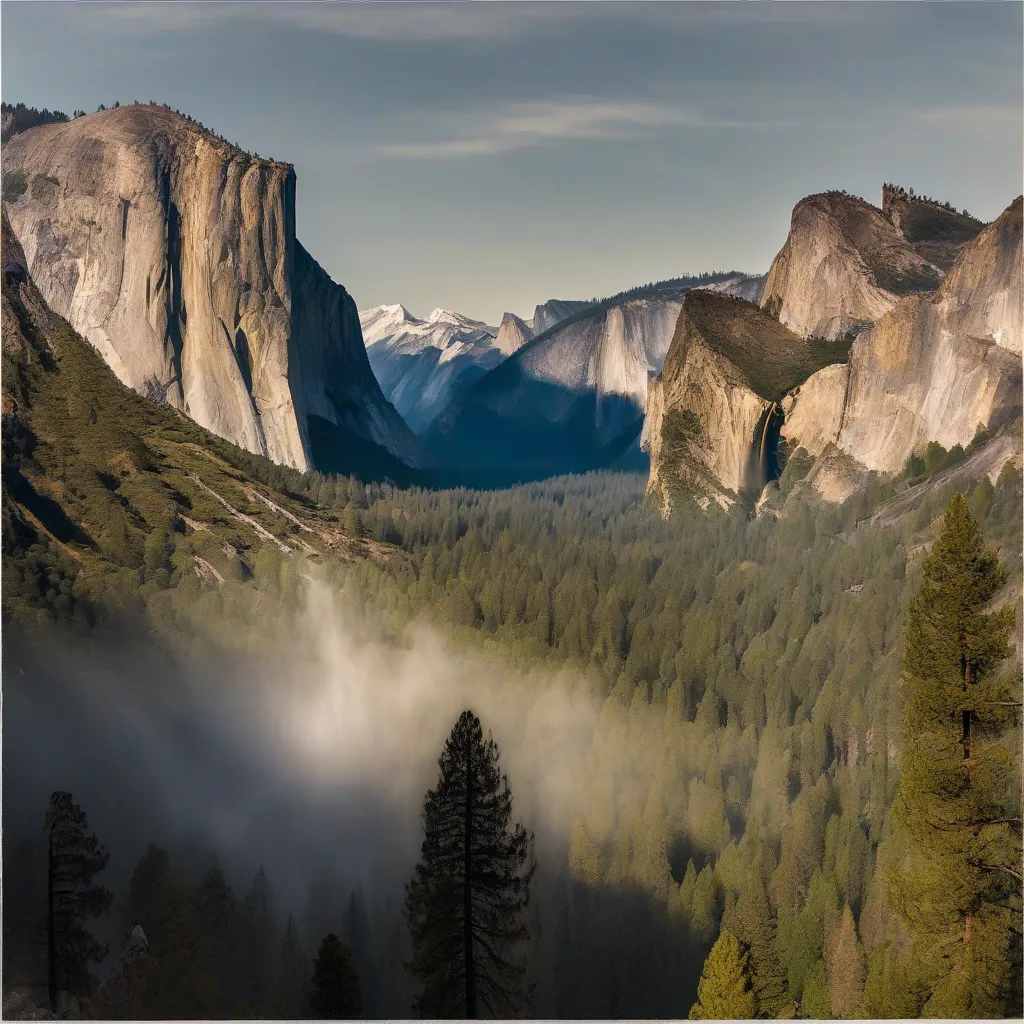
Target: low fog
[313, 762]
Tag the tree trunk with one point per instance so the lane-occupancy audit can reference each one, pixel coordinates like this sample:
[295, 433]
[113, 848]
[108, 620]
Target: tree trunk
[467, 895]
[968, 734]
[51, 928]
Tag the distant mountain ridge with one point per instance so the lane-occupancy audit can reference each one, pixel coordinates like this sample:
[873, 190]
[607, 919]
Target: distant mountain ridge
[419, 362]
[572, 398]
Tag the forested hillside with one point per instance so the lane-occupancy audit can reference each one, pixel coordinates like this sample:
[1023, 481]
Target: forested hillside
[710, 750]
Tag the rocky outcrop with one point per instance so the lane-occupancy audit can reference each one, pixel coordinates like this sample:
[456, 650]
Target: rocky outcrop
[983, 295]
[513, 334]
[937, 231]
[814, 411]
[420, 364]
[742, 286]
[938, 367]
[843, 266]
[175, 255]
[716, 411]
[549, 313]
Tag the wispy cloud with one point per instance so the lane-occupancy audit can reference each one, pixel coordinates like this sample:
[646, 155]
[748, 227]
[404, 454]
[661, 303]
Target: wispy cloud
[969, 115]
[526, 125]
[421, 21]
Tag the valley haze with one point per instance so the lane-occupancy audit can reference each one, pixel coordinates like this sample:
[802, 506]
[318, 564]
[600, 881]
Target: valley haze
[512, 510]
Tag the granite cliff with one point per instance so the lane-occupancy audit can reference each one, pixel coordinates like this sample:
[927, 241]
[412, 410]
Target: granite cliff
[714, 415]
[846, 263]
[936, 366]
[174, 254]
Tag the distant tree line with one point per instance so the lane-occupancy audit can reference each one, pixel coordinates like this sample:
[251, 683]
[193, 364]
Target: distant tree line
[891, 192]
[24, 118]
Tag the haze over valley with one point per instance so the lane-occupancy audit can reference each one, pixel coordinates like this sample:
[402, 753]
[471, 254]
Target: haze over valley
[580, 578]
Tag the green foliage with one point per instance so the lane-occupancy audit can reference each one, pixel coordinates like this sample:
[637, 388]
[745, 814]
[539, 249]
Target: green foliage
[815, 1003]
[724, 991]
[470, 890]
[74, 857]
[889, 989]
[23, 118]
[844, 968]
[957, 885]
[753, 925]
[14, 186]
[771, 358]
[903, 281]
[334, 987]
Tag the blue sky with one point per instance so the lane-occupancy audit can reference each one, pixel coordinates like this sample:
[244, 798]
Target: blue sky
[487, 156]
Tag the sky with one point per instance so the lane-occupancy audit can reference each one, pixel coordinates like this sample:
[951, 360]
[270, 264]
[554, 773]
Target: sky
[486, 156]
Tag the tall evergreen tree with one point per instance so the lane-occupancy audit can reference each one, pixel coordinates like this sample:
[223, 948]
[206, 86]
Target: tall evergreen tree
[958, 888]
[724, 991]
[74, 858]
[289, 996]
[259, 938]
[752, 923]
[844, 968]
[466, 901]
[334, 988]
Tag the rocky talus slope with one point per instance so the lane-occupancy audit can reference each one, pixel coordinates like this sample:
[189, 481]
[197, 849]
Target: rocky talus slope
[175, 255]
[714, 413]
[846, 263]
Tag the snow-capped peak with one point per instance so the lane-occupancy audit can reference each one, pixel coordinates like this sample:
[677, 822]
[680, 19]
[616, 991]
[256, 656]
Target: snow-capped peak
[451, 333]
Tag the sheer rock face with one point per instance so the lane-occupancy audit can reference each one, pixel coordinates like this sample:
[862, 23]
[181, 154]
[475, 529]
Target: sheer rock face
[939, 366]
[843, 266]
[549, 313]
[513, 334]
[729, 369]
[175, 255]
[814, 411]
[713, 454]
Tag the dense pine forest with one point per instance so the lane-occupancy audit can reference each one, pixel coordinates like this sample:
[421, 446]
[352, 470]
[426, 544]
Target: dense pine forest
[736, 725]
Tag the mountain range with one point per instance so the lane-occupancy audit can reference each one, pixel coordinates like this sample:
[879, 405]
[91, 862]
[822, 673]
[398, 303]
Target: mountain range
[876, 331]
[572, 398]
[423, 364]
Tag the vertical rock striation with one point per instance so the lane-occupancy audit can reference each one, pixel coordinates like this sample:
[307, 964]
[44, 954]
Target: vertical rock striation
[175, 255]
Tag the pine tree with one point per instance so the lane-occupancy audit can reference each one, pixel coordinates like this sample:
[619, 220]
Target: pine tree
[334, 988]
[958, 888]
[724, 991]
[466, 900]
[259, 938]
[752, 923]
[289, 996]
[844, 968]
[74, 857]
